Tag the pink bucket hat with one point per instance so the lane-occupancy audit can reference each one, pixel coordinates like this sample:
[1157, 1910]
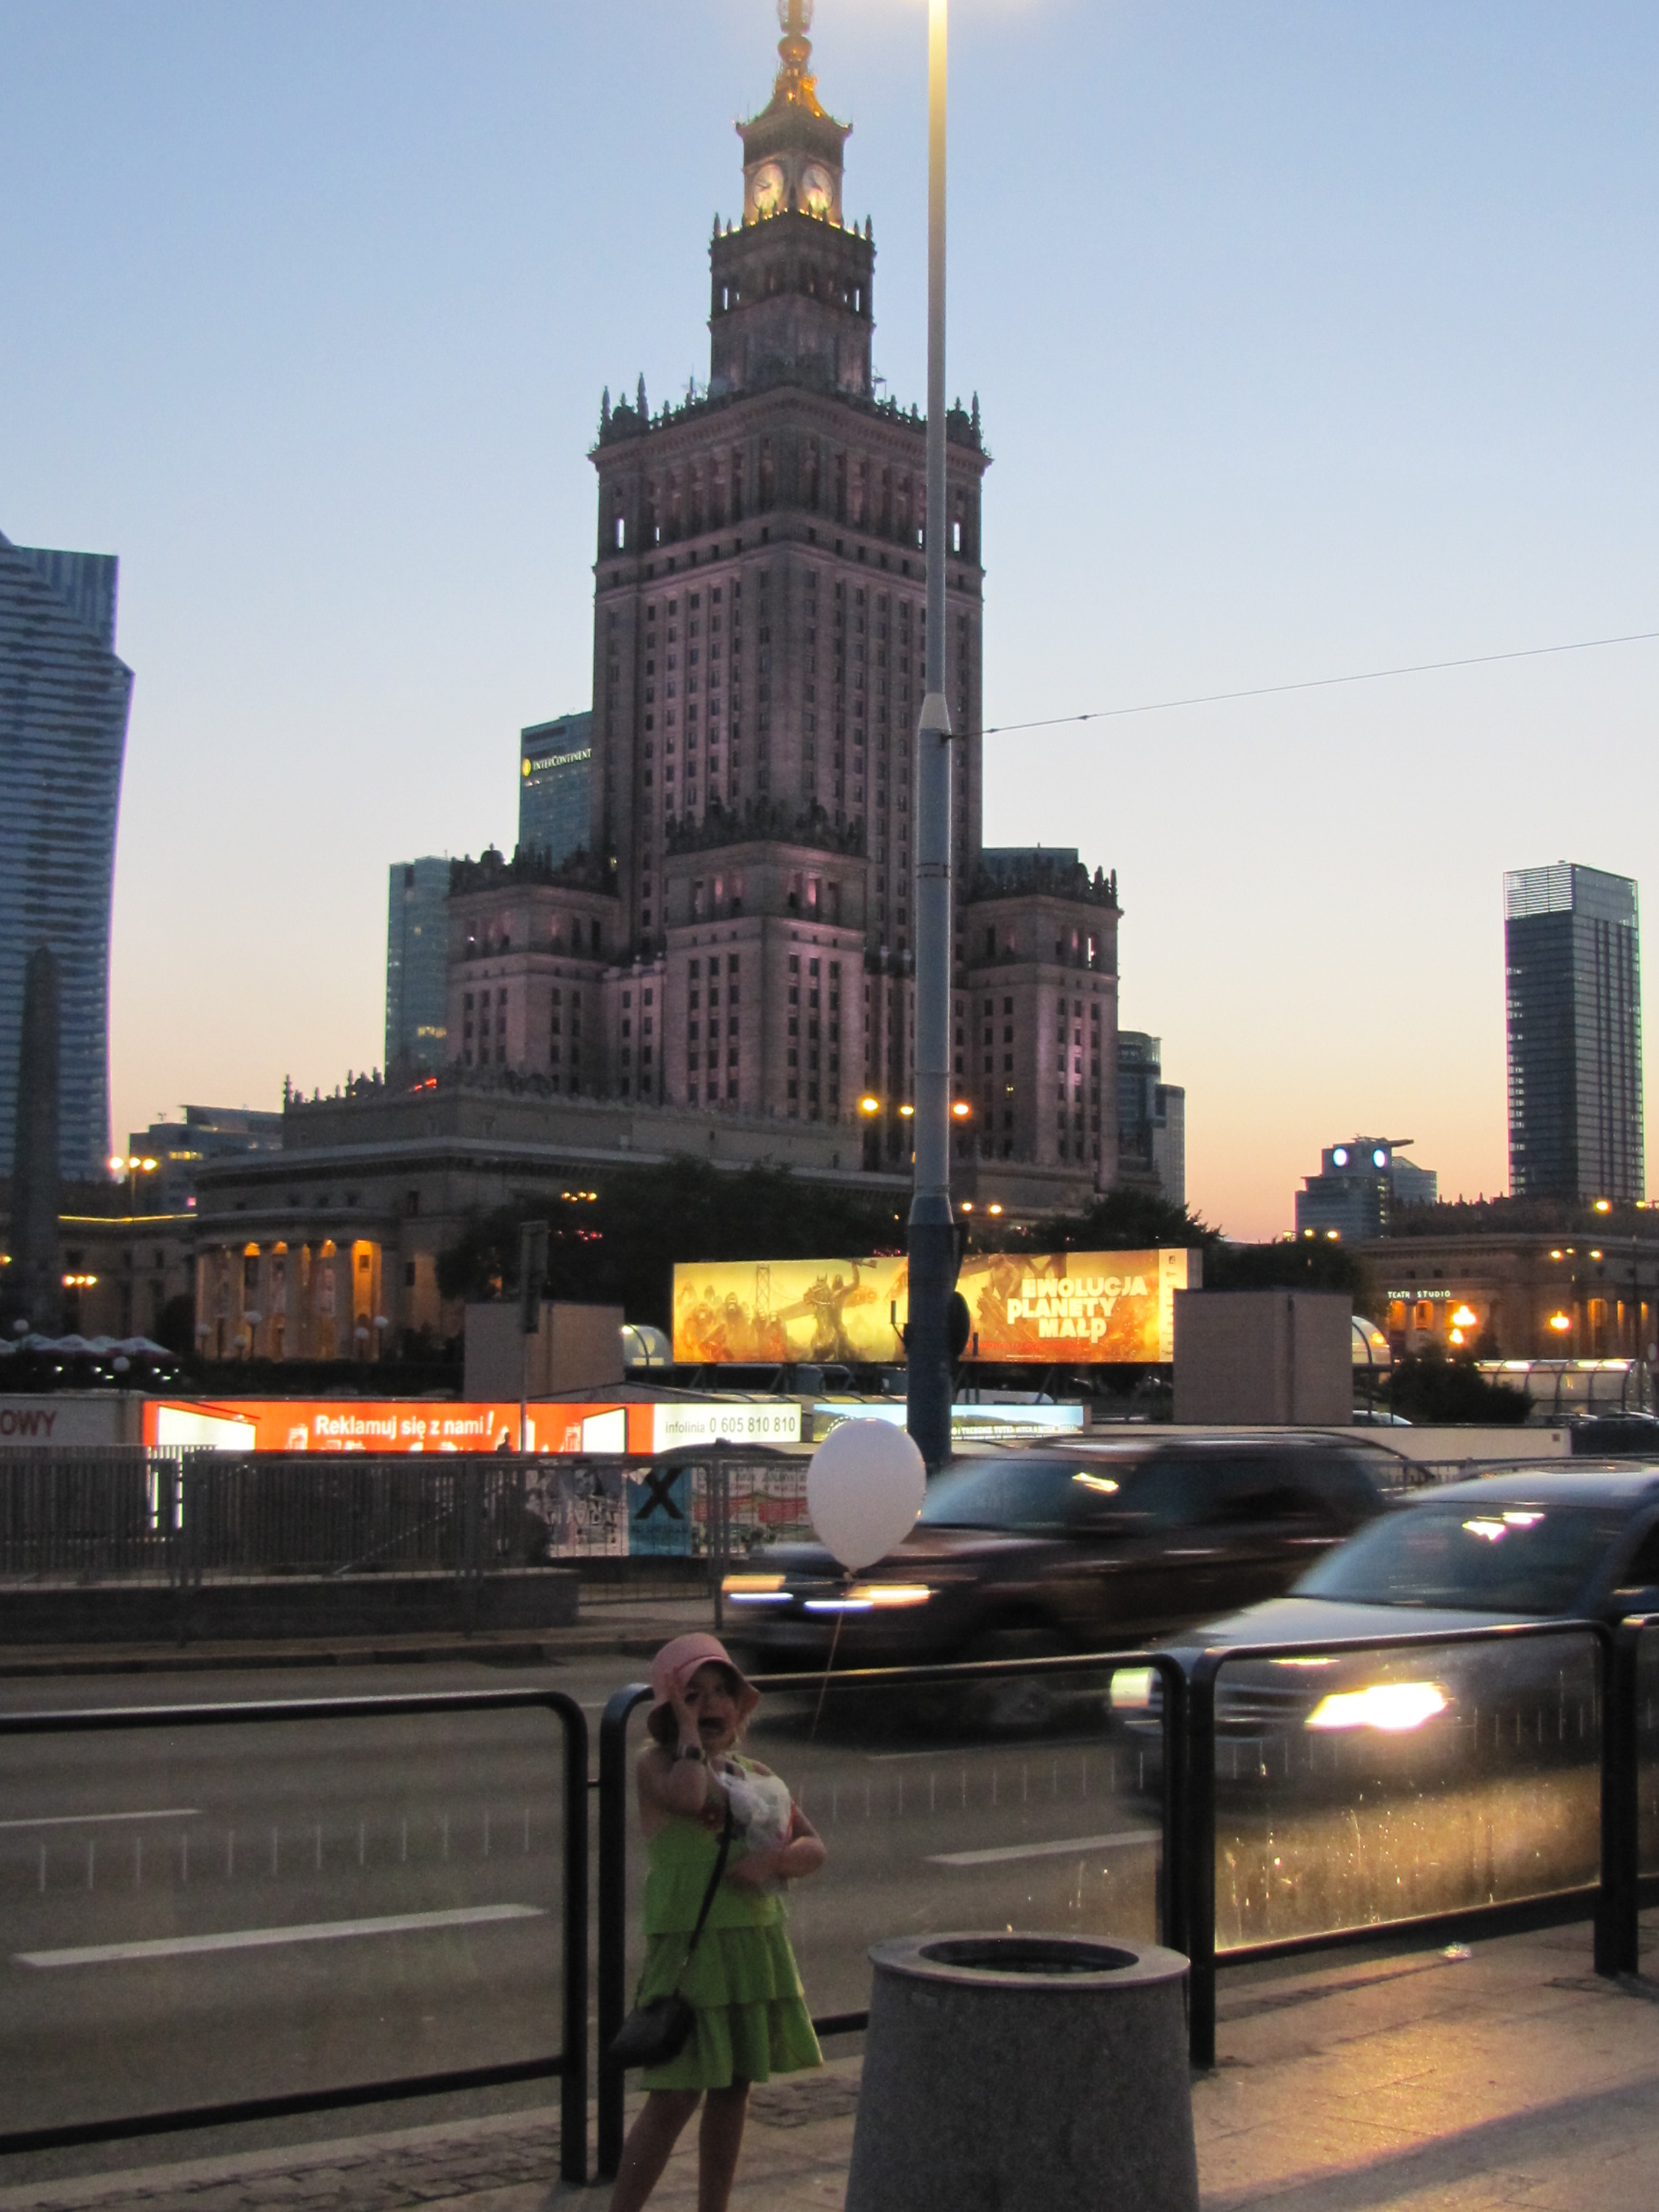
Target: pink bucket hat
[677, 1662]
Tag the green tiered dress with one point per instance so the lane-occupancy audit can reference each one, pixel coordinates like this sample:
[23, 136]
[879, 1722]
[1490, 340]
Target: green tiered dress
[741, 1981]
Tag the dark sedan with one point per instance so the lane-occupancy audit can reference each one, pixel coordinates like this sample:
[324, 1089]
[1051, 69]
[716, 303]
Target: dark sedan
[1041, 1552]
[1526, 1545]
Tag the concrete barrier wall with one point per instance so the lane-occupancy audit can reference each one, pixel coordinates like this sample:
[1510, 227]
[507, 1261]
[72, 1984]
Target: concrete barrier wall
[290, 1607]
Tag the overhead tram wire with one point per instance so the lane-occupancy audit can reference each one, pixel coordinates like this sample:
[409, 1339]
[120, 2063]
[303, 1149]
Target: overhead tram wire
[1315, 683]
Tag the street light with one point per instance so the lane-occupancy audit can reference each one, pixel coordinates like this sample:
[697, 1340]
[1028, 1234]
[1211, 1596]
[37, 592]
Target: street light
[132, 1165]
[932, 1235]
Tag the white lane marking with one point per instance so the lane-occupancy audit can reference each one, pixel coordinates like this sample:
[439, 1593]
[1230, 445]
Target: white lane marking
[1064, 1850]
[249, 1939]
[86, 1819]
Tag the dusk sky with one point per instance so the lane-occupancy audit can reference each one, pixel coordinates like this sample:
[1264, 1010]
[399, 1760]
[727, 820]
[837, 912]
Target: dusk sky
[1310, 339]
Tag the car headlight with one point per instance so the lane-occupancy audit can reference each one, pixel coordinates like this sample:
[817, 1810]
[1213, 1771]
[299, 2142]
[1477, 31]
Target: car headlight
[1395, 1707]
[1131, 1689]
[873, 1597]
[754, 1589]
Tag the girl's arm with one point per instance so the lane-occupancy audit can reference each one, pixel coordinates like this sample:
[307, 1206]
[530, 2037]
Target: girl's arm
[670, 1784]
[802, 1855]
[667, 1784]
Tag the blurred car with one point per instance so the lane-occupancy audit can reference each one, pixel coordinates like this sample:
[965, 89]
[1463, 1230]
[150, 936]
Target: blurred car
[1042, 1550]
[1531, 1544]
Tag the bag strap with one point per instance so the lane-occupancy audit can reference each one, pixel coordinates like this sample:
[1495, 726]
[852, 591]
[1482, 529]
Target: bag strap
[714, 1884]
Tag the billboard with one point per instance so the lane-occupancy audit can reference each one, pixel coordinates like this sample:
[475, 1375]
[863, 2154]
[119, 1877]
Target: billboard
[413, 1424]
[1059, 1308]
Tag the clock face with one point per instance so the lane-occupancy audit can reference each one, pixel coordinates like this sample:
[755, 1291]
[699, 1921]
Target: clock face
[817, 188]
[767, 188]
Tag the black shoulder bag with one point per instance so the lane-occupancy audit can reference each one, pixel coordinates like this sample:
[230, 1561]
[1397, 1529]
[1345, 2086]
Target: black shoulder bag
[656, 2032]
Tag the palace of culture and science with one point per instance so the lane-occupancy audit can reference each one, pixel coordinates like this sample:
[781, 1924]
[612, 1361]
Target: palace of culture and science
[741, 939]
[724, 969]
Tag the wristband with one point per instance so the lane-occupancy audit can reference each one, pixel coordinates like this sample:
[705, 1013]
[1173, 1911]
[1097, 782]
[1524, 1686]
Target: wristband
[693, 1752]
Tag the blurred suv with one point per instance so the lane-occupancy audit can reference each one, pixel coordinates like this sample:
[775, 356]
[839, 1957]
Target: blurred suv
[1531, 1543]
[1046, 1551]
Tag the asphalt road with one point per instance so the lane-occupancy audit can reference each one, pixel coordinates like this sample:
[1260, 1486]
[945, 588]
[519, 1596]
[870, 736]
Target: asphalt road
[194, 1916]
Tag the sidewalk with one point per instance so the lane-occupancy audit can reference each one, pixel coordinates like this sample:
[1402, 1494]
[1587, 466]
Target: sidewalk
[1508, 2078]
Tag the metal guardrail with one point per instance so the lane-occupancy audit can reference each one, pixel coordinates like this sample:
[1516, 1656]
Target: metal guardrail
[613, 1963]
[121, 1513]
[1614, 1904]
[568, 2064]
[1187, 1897]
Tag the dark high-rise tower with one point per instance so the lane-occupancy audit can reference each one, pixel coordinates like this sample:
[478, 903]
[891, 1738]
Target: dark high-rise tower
[35, 1281]
[417, 966]
[1574, 988]
[64, 701]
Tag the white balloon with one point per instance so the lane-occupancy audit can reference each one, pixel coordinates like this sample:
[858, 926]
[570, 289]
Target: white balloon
[864, 1490]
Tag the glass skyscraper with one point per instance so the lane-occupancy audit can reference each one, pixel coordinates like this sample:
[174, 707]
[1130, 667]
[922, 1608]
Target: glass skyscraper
[417, 966]
[555, 767]
[63, 702]
[1574, 991]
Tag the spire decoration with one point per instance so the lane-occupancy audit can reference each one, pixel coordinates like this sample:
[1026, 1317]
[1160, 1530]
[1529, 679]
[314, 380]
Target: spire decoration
[796, 86]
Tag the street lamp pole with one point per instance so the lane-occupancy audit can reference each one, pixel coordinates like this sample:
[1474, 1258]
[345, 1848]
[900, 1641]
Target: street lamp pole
[932, 1240]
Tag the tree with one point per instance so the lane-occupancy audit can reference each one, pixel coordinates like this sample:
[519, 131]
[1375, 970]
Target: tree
[1128, 1219]
[1293, 1264]
[1428, 1387]
[620, 1246]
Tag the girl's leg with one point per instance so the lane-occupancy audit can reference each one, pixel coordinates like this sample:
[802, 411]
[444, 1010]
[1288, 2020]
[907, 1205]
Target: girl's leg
[718, 2141]
[650, 2140]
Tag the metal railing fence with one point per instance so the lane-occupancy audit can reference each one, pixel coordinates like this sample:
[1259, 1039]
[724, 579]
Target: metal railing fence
[568, 2064]
[1613, 1903]
[127, 1513]
[1187, 1894]
[1188, 1891]
[613, 1782]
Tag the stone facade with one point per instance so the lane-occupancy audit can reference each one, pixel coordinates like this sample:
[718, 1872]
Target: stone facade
[329, 1248]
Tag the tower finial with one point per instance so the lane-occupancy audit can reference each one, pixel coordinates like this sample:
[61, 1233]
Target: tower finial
[795, 53]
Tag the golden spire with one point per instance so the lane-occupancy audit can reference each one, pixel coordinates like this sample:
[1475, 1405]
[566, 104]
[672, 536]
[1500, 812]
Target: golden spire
[796, 87]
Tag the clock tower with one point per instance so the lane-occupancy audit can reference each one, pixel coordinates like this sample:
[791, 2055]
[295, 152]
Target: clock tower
[791, 299]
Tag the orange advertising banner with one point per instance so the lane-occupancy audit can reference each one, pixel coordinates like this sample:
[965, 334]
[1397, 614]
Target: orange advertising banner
[1053, 1308]
[366, 1425]
[1095, 1308]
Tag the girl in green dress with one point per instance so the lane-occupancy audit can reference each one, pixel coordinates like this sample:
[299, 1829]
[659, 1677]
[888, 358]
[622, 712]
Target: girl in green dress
[741, 1981]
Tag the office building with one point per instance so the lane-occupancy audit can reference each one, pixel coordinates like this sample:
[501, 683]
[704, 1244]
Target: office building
[1487, 1279]
[1151, 1119]
[172, 1154]
[1573, 982]
[555, 775]
[1360, 1185]
[417, 966]
[64, 703]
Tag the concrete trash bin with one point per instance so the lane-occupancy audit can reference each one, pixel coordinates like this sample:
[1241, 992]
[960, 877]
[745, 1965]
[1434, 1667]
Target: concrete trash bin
[1024, 2074]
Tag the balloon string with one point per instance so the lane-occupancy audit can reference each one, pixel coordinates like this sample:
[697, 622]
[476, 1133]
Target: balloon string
[829, 1667]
